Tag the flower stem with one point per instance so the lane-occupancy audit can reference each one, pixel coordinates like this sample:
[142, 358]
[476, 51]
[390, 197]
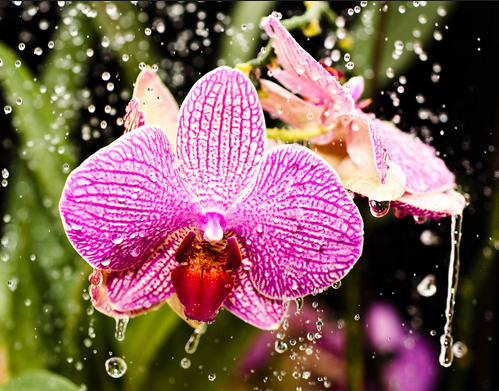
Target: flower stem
[296, 134]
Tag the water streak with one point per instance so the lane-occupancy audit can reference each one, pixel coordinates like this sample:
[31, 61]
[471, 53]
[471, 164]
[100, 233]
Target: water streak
[121, 328]
[446, 340]
[193, 342]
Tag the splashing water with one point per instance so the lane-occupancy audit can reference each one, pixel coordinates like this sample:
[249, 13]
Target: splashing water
[116, 367]
[427, 287]
[121, 328]
[193, 342]
[446, 340]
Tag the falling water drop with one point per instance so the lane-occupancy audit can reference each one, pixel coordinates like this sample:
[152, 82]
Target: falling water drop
[459, 349]
[420, 219]
[121, 328]
[212, 376]
[193, 342]
[337, 284]
[280, 346]
[299, 304]
[379, 208]
[115, 367]
[427, 287]
[185, 363]
[446, 341]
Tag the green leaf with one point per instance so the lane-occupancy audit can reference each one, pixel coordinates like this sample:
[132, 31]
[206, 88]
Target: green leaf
[242, 45]
[375, 37]
[41, 134]
[39, 380]
[113, 25]
[67, 65]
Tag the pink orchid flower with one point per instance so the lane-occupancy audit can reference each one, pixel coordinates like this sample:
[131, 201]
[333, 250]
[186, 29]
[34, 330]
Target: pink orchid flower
[372, 157]
[219, 223]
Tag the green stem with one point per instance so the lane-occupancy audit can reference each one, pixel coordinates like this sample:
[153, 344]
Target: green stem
[296, 134]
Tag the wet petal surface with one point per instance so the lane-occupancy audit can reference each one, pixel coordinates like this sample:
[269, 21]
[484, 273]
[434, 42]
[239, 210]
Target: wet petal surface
[221, 136]
[302, 230]
[124, 200]
[425, 171]
[433, 206]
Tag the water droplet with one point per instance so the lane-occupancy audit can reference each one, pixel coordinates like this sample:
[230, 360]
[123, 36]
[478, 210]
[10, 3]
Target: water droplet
[427, 287]
[193, 342]
[106, 76]
[115, 367]
[459, 349]
[346, 57]
[17, 63]
[280, 346]
[379, 208]
[5, 173]
[357, 317]
[336, 284]
[299, 304]
[7, 109]
[350, 65]
[1, 62]
[38, 51]
[147, 31]
[117, 238]
[390, 72]
[19, 101]
[363, 3]
[121, 328]
[185, 363]
[350, 11]
[106, 262]
[433, 333]
[142, 66]
[306, 375]
[96, 277]
[429, 238]
[51, 44]
[125, 57]
[446, 341]
[244, 27]
[22, 46]
[212, 376]
[419, 219]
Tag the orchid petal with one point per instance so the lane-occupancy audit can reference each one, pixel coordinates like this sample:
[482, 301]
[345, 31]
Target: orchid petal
[157, 103]
[425, 171]
[134, 117]
[434, 206]
[221, 136]
[302, 74]
[366, 148]
[201, 290]
[124, 200]
[303, 231]
[248, 304]
[333, 153]
[141, 288]
[367, 184]
[288, 107]
[356, 87]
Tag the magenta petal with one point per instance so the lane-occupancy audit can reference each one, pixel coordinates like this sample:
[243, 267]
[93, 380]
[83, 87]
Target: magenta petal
[425, 172]
[302, 74]
[124, 200]
[248, 304]
[432, 206]
[139, 289]
[367, 148]
[221, 136]
[288, 107]
[201, 290]
[356, 87]
[303, 231]
[233, 253]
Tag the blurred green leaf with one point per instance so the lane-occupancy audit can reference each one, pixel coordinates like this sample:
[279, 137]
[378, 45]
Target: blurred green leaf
[67, 65]
[39, 380]
[375, 33]
[115, 23]
[41, 134]
[242, 45]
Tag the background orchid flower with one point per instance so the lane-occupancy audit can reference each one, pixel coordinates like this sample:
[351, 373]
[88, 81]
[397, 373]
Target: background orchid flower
[403, 359]
[372, 157]
[224, 223]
